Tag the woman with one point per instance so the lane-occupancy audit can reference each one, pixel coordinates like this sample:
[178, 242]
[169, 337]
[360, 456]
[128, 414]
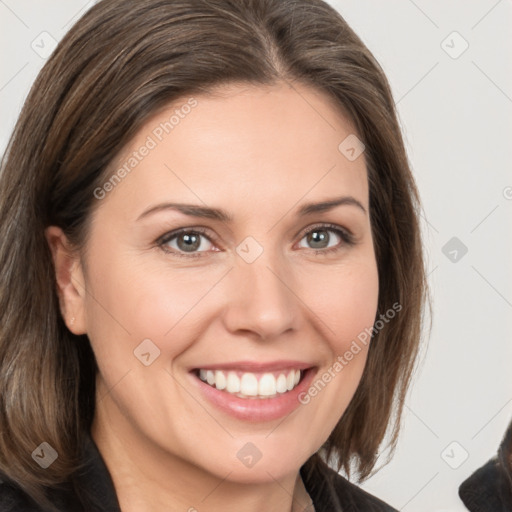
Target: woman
[211, 267]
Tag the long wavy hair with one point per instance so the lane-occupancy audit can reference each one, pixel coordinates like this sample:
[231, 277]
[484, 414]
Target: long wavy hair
[117, 66]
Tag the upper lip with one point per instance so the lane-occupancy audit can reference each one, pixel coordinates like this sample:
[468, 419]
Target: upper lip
[252, 366]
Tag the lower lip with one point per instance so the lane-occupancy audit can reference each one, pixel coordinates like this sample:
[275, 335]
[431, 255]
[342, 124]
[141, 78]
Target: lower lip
[256, 409]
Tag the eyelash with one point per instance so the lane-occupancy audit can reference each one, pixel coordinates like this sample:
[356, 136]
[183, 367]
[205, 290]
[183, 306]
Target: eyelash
[346, 237]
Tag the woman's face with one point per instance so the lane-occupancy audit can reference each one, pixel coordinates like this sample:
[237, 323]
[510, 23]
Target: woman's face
[254, 288]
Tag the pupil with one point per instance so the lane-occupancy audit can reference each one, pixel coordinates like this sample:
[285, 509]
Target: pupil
[318, 237]
[191, 242]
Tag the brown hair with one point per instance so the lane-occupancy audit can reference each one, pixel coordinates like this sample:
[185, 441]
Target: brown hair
[119, 64]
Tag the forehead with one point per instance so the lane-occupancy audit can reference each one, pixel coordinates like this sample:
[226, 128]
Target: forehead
[268, 144]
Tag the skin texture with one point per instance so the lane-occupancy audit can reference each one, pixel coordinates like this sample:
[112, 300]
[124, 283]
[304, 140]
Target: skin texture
[259, 153]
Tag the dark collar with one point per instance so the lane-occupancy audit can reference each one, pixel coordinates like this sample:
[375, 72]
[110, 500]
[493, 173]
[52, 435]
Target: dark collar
[489, 488]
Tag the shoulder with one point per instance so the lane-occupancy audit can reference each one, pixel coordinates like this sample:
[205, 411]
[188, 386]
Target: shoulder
[487, 489]
[332, 492]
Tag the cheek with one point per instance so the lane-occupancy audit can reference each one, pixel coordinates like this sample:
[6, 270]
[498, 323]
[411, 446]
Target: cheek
[345, 299]
[129, 303]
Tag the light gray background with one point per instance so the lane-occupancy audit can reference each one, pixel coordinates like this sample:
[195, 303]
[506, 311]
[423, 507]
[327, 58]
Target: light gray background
[456, 113]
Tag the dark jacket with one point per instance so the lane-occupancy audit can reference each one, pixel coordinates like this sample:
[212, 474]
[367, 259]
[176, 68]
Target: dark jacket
[489, 488]
[93, 491]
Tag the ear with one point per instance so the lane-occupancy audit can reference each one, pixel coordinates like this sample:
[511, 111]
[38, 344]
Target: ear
[70, 280]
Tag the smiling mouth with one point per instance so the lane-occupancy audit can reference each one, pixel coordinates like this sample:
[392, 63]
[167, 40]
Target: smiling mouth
[255, 385]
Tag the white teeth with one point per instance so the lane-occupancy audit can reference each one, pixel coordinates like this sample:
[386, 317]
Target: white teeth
[248, 384]
[290, 381]
[220, 380]
[233, 383]
[281, 384]
[267, 385]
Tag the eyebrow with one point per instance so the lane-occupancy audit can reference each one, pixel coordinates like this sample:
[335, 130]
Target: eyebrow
[221, 215]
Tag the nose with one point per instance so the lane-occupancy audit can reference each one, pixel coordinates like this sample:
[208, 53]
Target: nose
[262, 299]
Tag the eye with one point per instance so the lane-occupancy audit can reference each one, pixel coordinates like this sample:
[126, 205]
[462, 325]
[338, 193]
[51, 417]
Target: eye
[186, 242]
[193, 242]
[321, 240]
